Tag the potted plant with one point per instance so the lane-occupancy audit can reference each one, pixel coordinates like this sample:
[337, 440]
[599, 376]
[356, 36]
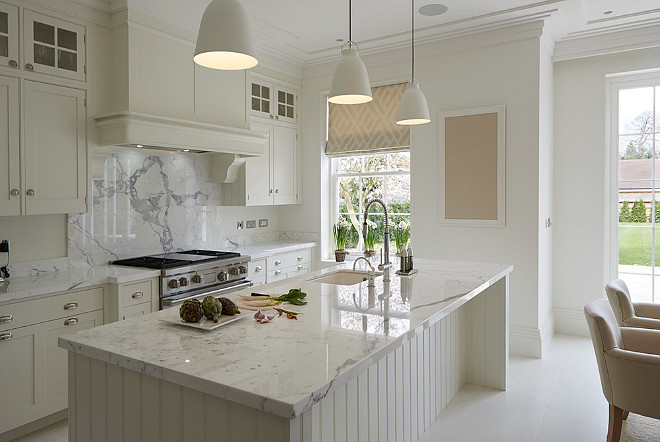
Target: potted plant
[370, 240]
[340, 232]
[401, 235]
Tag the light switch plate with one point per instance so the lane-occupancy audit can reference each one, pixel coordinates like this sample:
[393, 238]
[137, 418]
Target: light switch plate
[251, 224]
[263, 222]
[239, 225]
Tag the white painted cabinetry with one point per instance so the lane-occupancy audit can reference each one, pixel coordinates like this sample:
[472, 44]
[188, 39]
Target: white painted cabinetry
[280, 266]
[130, 300]
[273, 100]
[9, 35]
[10, 185]
[34, 369]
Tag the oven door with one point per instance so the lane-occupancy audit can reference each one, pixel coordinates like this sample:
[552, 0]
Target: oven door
[179, 298]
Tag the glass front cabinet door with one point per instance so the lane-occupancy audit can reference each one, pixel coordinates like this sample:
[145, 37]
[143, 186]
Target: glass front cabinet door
[52, 46]
[8, 35]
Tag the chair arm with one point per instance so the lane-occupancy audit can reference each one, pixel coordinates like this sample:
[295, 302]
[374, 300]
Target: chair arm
[640, 322]
[647, 310]
[641, 340]
[635, 381]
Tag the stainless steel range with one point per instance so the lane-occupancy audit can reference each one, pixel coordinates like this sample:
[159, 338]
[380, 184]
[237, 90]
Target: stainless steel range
[194, 274]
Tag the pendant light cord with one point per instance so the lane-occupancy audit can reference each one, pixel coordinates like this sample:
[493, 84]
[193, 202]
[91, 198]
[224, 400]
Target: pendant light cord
[350, 24]
[412, 15]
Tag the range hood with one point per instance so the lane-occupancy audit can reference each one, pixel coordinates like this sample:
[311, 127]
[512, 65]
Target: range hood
[132, 129]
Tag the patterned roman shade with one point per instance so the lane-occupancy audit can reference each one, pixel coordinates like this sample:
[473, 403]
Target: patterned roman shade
[359, 129]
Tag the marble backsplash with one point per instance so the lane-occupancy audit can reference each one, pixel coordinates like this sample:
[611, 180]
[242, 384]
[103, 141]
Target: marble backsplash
[147, 203]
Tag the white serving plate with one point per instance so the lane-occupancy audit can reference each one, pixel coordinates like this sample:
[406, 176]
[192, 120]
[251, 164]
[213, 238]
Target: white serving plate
[206, 324]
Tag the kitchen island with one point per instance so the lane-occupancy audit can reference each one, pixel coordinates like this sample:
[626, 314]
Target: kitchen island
[351, 368]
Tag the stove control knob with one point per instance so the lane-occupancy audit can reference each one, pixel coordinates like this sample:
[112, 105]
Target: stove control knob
[222, 276]
[234, 271]
[196, 279]
[173, 284]
[242, 269]
[183, 282]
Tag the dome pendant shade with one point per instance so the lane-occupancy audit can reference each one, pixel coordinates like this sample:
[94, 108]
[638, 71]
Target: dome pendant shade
[225, 39]
[413, 108]
[350, 82]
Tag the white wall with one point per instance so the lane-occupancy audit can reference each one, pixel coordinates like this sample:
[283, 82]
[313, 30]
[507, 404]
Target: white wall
[580, 180]
[454, 76]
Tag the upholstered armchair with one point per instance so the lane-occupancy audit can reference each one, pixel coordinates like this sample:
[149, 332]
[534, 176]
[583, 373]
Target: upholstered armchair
[629, 366]
[627, 313]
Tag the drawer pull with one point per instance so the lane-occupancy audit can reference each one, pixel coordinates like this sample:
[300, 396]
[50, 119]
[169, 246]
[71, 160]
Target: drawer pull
[6, 318]
[277, 272]
[278, 262]
[137, 295]
[71, 306]
[300, 258]
[29, 66]
[257, 269]
[13, 64]
[71, 321]
[300, 267]
[6, 337]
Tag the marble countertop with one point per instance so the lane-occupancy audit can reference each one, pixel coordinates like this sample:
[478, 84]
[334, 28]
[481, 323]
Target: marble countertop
[286, 366]
[53, 279]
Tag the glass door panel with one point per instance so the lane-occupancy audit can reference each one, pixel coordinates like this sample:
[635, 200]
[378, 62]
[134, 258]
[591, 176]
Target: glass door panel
[8, 35]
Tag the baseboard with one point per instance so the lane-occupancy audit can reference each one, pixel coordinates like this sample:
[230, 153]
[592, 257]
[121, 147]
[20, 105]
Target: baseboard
[570, 321]
[34, 426]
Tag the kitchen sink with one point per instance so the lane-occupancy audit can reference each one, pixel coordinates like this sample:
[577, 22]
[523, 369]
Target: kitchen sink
[344, 277]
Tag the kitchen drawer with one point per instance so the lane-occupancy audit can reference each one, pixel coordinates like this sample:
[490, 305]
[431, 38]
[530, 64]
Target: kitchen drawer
[137, 293]
[276, 275]
[22, 313]
[298, 270]
[137, 310]
[289, 259]
[259, 281]
[256, 269]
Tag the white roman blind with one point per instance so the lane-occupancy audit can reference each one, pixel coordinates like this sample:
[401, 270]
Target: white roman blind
[359, 129]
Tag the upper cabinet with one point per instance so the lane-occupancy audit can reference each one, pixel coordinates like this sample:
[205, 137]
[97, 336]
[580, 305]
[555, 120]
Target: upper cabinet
[52, 46]
[8, 35]
[10, 198]
[273, 100]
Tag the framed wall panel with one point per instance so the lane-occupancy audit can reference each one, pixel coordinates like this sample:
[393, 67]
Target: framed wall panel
[472, 166]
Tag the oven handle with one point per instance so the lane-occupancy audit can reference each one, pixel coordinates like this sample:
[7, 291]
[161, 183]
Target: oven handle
[172, 303]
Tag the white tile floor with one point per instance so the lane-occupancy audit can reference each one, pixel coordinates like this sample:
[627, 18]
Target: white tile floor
[557, 398]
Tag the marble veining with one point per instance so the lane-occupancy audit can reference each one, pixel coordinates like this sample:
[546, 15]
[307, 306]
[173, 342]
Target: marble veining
[286, 366]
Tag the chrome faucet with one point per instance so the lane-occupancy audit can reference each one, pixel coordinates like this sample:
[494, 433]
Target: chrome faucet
[385, 264]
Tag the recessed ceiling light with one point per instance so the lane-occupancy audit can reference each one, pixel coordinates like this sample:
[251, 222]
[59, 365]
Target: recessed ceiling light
[139, 146]
[433, 9]
[607, 12]
[186, 150]
[339, 40]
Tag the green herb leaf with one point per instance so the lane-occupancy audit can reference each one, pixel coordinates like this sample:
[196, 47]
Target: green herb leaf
[295, 297]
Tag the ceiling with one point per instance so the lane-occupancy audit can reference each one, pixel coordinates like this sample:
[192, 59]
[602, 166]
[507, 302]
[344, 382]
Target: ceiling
[308, 29]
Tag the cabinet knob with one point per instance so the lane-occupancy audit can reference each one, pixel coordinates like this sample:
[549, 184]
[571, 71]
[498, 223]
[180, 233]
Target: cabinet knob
[6, 337]
[257, 269]
[300, 258]
[271, 116]
[137, 295]
[71, 306]
[277, 190]
[29, 67]
[13, 64]
[270, 191]
[71, 321]
[277, 272]
[6, 318]
[30, 192]
[277, 117]
[14, 192]
[300, 267]
[278, 262]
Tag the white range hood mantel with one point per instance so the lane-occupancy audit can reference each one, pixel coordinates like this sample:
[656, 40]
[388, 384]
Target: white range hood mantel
[129, 129]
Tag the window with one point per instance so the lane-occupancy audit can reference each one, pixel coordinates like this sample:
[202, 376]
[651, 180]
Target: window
[638, 141]
[358, 179]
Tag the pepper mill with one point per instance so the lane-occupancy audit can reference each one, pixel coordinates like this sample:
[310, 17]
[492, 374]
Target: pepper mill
[404, 260]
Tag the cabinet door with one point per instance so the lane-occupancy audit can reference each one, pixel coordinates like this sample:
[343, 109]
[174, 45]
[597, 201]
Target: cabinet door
[54, 149]
[261, 99]
[258, 178]
[10, 198]
[53, 359]
[285, 165]
[18, 348]
[53, 46]
[285, 104]
[8, 35]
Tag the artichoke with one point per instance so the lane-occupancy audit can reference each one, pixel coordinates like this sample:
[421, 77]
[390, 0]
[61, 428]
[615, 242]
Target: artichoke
[191, 311]
[212, 308]
[228, 306]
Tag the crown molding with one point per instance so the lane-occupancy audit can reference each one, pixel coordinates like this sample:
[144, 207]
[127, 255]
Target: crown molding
[602, 41]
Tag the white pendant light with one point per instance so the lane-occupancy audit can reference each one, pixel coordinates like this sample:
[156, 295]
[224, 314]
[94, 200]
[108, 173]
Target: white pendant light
[225, 40]
[413, 108]
[350, 82]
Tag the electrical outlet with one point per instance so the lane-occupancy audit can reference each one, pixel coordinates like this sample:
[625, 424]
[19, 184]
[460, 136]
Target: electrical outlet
[251, 224]
[4, 246]
[263, 222]
[239, 225]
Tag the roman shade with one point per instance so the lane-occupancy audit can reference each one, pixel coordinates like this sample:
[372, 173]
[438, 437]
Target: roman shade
[359, 129]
